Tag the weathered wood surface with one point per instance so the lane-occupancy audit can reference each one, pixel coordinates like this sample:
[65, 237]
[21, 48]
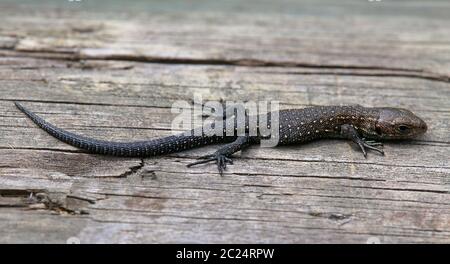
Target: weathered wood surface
[113, 73]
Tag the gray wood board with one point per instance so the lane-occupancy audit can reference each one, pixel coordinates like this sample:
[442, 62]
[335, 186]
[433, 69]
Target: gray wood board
[115, 75]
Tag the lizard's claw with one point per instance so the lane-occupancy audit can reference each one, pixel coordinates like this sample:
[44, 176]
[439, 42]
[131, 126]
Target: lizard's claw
[373, 143]
[221, 161]
[370, 144]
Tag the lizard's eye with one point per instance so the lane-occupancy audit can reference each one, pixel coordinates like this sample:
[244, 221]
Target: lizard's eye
[403, 128]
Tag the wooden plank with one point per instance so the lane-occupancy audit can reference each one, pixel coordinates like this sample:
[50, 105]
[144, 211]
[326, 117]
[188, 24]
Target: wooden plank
[417, 44]
[115, 75]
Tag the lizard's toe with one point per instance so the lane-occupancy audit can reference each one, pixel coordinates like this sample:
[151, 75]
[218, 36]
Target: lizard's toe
[220, 159]
[372, 147]
[373, 143]
[203, 159]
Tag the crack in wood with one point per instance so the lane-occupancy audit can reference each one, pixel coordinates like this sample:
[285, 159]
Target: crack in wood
[77, 56]
[423, 76]
[331, 216]
[399, 189]
[133, 170]
[155, 106]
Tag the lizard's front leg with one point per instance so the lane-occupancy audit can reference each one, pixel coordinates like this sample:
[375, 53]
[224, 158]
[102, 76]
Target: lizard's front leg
[349, 132]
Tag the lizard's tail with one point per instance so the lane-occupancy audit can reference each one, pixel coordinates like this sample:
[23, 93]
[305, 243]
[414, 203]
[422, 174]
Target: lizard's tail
[152, 147]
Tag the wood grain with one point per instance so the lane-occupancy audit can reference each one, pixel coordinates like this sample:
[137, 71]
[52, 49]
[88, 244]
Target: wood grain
[114, 73]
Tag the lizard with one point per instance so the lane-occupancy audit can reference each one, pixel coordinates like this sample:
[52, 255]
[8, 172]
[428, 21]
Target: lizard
[365, 126]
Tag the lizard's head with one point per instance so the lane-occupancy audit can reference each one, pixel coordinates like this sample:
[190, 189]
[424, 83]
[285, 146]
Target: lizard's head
[397, 123]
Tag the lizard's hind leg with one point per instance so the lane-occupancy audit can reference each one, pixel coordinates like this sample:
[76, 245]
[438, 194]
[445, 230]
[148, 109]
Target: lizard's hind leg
[223, 155]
